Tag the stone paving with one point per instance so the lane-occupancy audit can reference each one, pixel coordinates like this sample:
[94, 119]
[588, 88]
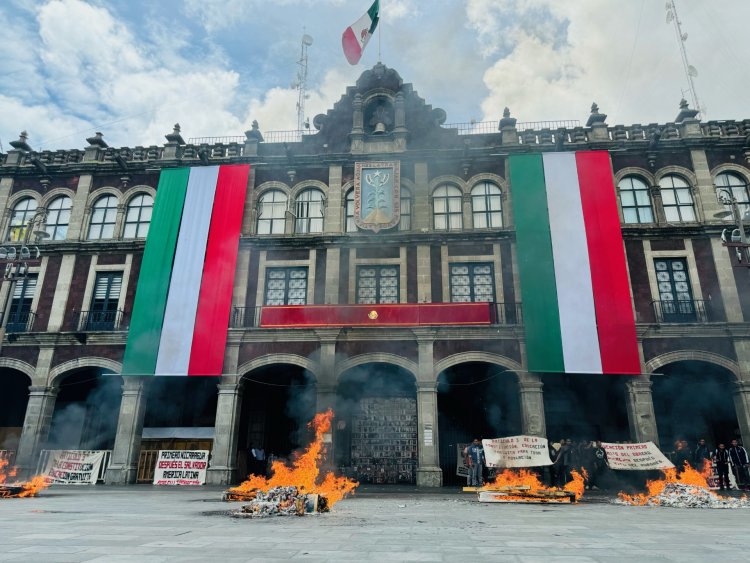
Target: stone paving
[147, 524]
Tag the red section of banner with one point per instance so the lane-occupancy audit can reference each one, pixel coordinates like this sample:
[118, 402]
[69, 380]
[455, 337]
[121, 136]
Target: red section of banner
[215, 300]
[609, 276]
[377, 315]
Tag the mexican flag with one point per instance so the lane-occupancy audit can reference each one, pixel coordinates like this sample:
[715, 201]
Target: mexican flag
[577, 308]
[357, 35]
[184, 293]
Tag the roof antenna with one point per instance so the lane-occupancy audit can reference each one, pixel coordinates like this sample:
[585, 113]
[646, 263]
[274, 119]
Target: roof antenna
[301, 83]
[690, 71]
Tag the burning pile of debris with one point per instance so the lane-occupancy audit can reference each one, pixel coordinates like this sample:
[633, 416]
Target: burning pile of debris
[295, 489]
[689, 489]
[525, 487]
[17, 490]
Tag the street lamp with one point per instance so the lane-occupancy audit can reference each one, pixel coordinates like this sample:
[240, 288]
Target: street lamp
[736, 238]
[16, 257]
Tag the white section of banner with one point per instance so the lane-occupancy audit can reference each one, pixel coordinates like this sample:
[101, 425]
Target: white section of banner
[181, 467]
[74, 467]
[636, 457]
[187, 272]
[516, 451]
[575, 294]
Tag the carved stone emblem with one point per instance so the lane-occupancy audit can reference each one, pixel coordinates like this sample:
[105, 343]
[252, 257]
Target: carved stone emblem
[377, 201]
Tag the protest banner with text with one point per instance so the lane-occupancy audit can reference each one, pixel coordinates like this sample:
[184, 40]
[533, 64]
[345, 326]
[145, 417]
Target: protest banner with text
[516, 451]
[181, 467]
[74, 467]
[636, 457]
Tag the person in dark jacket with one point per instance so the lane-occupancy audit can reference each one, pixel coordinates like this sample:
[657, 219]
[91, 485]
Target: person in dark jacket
[601, 464]
[739, 460]
[681, 455]
[701, 454]
[721, 457]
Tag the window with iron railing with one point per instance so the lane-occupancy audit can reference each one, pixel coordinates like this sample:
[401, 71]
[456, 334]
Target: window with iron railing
[103, 312]
[19, 313]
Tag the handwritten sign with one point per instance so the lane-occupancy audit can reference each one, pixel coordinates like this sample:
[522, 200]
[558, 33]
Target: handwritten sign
[516, 451]
[74, 467]
[181, 467]
[636, 457]
[462, 470]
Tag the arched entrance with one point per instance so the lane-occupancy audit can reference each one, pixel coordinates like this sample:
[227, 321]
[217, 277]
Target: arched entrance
[586, 407]
[693, 400]
[278, 402]
[13, 401]
[86, 410]
[375, 439]
[475, 400]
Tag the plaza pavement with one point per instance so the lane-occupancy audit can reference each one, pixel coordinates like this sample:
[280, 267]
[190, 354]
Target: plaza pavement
[148, 524]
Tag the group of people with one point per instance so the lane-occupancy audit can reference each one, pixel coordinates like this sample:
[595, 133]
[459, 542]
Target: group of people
[734, 457]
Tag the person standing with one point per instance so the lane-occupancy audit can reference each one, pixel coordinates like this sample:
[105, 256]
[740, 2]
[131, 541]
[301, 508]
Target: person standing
[739, 460]
[601, 464]
[681, 455]
[701, 454]
[258, 460]
[475, 460]
[721, 457]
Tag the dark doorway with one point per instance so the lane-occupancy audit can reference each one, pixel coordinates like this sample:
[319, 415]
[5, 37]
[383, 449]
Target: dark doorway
[86, 411]
[475, 400]
[13, 402]
[694, 400]
[185, 402]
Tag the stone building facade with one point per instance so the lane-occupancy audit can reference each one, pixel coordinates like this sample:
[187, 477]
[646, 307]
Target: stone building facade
[431, 386]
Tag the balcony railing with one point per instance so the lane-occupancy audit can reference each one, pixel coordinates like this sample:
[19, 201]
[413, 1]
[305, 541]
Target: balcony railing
[682, 311]
[92, 321]
[19, 321]
[398, 315]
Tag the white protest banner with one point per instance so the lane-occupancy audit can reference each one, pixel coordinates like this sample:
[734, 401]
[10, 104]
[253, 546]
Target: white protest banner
[181, 467]
[636, 457]
[516, 451]
[462, 470]
[74, 467]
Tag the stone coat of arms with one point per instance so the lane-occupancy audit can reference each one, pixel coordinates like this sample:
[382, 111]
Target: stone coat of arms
[377, 195]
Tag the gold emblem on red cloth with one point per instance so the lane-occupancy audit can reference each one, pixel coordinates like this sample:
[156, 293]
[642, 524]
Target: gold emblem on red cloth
[373, 314]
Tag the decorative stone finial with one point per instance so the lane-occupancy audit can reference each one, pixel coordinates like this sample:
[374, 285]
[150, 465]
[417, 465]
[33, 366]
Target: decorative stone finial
[97, 140]
[507, 120]
[175, 137]
[596, 118]
[254, 133]
[21, 144]
[685, 112]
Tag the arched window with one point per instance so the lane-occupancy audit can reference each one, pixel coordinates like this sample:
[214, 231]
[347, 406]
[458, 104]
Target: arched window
[636, 201]
[23, 212]
[271, 211]
[103, 215]
[58, 217]
[138, 217]
[677, 199]
[446, 208]
[350, 226]
[309, 212]
[737, 187]
[404, 224]
[486, 206]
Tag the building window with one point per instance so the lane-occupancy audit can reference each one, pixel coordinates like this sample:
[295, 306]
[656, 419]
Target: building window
[309, 211]
[20, 317]
[350, 226]
[447, 208]
[735, 185]
[677, 199]
[103, 313]
[286, 286]
[58, 217]
[486, 206]
[271, 213]
[636, 201]
[22, 213]
[103, 215]
[378, 284]
[472, 283]
[675, 294]
[138, 217]
[404, 224]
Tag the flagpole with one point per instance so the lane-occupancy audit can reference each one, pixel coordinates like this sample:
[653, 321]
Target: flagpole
[380, 35]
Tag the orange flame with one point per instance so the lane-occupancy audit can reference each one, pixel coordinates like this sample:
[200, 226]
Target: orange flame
[305, 470]
[689, 476]
[523, 478]
[29, 488]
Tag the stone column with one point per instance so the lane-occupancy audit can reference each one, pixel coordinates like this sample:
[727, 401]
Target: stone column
[421, 198]
[333, 215]
[123, 467]
[333, 263]
[78, 209]
[531, 397]
[222, 469]
[705, 188]
[640, 407]
[424, 274]
[742, 407]
[36, 427]
[429, 473]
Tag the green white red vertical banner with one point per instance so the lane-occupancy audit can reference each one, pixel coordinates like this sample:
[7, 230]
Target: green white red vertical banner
[184, 294]
[578, 314]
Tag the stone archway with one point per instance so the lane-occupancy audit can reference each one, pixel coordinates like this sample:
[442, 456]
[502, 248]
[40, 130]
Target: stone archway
[13, 401]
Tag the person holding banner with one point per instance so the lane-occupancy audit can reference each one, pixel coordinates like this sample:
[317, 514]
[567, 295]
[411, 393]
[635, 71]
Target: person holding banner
[476, 461]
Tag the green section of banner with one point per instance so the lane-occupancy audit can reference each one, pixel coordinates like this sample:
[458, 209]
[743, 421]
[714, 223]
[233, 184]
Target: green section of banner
[156, 268]
[541, 315]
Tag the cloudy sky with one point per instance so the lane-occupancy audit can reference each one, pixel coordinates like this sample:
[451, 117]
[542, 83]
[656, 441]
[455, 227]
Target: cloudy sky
[132, 68]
